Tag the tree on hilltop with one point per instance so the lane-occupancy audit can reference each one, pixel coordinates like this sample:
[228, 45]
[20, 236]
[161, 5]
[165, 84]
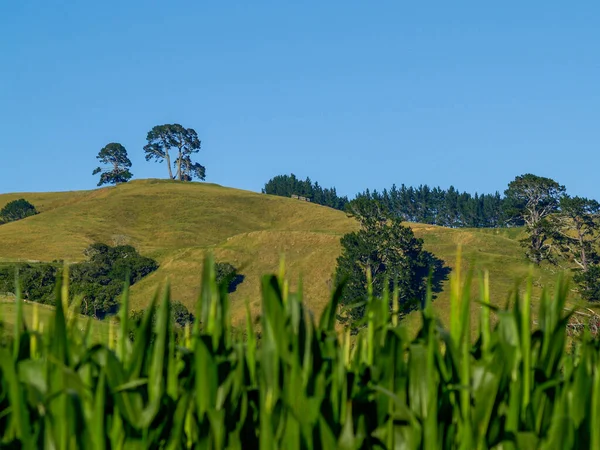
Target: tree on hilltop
[184, 142]
[575, 234]
[575, 230]
[191, 170]
[288, 185]
[529, 201]
[115, 156]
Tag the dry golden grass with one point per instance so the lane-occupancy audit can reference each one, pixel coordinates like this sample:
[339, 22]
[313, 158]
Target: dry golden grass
[155, 216]
[177, 223]
[308, 255]
[497, 251]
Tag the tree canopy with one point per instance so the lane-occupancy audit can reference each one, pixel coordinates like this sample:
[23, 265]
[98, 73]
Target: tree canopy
[288, 185]
[17, 210]
[98, 281]
[101, 278]
[392, 255]
[115, 157]
[529, 200]
[37, 280]
[574, 231]
[180, 316]
[183, 142]
[227, 273]
[436, 206]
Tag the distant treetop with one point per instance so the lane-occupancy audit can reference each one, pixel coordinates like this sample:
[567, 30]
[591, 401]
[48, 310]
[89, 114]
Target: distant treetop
[436, 206]
[115, 157]
[289, 185]
[184, 142]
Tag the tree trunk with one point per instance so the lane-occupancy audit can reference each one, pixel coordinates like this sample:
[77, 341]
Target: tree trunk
[168, 158]
[115, 170]
[584, 262]
[179, 164]
[188, 171]
[536, 247]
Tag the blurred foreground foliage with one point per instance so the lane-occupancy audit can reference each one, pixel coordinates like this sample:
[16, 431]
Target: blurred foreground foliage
[302, 383]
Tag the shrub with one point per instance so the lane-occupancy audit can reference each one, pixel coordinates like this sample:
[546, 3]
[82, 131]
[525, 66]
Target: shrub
[589, 283]
[17, 210]
[98, 281]
[180, 315]
[37, 281]
[227, 273]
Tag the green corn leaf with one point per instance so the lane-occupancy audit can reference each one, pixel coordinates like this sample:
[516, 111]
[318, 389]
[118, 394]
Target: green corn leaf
[20, 426]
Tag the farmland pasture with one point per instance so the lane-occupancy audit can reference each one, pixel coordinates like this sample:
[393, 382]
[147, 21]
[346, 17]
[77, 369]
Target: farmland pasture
[179, 223]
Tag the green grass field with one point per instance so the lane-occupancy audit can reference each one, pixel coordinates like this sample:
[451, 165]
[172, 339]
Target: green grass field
[177, 223]
[100, 329]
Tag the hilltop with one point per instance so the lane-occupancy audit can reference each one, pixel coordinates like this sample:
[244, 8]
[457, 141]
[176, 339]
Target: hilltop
[177, 223]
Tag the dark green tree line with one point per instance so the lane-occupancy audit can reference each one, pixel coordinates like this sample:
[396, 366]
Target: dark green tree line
[17, 210]
[37, 280]
[436, 206]
[288, 185]
[99, 281]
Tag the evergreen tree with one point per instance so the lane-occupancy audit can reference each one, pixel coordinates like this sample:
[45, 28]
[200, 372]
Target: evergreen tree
[17, 210]
[115, 157]
[575, 233]
[439, 207]
[184, 142]
[228, 274]
[530, 200]
[288, 185]
[390, 252]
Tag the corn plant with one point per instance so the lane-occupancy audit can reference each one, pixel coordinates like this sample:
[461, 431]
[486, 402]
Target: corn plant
[297, 382]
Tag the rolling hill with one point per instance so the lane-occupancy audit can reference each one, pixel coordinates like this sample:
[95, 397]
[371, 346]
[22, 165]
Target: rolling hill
[45, 314]
[177, 223]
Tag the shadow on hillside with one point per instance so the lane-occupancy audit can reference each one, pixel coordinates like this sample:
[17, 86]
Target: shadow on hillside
[438, 272]
[113, 310]
[235, 282]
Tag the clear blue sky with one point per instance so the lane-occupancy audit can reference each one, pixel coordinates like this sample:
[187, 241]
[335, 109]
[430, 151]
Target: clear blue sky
[354, 94]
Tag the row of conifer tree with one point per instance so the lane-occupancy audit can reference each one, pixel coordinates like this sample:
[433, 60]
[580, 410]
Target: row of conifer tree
[436, 206]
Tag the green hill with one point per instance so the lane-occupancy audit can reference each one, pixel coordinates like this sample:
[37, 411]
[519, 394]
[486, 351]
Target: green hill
[45, 314]
[177, 223]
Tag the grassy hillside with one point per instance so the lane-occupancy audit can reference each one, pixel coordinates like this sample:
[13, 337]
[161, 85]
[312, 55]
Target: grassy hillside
[177, 223]
[100, 329]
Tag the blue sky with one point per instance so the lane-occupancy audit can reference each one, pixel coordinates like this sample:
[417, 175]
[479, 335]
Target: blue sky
[354, 94]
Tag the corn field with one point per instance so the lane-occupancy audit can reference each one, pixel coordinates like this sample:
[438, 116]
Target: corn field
[290, 381]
